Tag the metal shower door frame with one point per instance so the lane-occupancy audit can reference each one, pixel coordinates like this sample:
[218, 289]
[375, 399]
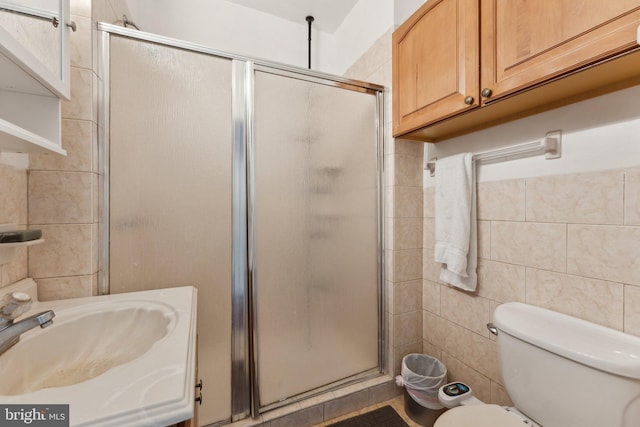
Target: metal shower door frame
[245, 386]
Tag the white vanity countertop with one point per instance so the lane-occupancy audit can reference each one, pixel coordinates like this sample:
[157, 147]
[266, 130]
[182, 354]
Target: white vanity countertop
[155, 389]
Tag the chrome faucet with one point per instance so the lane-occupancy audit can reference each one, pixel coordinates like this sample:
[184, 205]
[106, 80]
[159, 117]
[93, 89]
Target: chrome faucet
[11, 307]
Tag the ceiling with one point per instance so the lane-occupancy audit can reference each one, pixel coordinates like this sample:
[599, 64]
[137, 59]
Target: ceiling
[328, 14]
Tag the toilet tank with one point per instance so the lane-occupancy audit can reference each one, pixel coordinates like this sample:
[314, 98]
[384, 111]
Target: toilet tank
[561, 371]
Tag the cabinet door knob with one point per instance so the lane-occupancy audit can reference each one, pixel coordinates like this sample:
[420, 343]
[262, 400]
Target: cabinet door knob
[199, 385]
[468, 100]
[199, 399]
[486, 92]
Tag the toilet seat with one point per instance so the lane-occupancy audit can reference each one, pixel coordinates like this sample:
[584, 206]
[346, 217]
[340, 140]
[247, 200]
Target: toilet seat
[479, 416]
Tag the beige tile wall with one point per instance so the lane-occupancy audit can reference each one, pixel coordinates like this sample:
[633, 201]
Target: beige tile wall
[63, 192]
[568, 243]
[60, 189]
[13, 210]
[403, 217]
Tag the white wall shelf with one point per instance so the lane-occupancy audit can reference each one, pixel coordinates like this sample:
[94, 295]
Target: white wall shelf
[15, 139]
[30, 94]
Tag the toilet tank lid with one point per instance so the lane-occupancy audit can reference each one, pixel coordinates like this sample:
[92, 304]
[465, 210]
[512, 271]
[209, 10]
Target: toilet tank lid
[593, 345]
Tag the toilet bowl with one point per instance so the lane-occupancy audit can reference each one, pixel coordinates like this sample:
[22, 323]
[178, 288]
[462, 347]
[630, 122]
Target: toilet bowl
[473, 412]
[558, 370]
[483, 416]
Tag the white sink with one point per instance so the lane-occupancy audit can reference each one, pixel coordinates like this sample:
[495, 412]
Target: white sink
[117, 360]
[96, 338]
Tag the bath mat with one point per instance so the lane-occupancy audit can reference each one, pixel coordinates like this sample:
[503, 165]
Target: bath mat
[381, 417]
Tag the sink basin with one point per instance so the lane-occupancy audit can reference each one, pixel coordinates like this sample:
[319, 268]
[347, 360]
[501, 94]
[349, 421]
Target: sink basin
[78, 348]
[117, 360]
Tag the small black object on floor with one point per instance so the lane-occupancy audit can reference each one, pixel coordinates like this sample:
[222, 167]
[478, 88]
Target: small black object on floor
[381, 417]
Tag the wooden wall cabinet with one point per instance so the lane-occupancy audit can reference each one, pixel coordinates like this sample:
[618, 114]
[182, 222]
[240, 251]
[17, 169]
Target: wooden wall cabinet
[462, 65]
[435, 63]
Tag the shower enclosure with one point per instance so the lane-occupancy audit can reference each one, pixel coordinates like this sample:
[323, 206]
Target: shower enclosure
[259, 184]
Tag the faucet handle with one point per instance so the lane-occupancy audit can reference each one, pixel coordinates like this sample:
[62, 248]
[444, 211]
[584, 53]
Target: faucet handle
[14, 304]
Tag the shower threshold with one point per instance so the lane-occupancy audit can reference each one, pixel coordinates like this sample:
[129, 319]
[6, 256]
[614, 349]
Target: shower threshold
[324, 406]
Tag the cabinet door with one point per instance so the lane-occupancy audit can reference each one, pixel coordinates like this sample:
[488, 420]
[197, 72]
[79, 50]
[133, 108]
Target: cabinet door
[41, 47]
[435, 63]
[525, 42]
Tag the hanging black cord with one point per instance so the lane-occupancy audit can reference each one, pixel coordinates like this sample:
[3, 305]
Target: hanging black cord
[309, 20]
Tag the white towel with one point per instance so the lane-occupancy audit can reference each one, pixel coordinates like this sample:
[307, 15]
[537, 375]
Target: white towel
[456, 229]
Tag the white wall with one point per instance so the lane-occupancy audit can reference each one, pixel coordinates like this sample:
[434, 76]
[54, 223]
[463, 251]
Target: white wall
[402, 9]
[229, 27]
[237, 29]
[366, 23]
[598, 134]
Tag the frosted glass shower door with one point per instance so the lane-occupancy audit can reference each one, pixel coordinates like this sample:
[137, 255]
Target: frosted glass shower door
[315, 222]
[170, 191]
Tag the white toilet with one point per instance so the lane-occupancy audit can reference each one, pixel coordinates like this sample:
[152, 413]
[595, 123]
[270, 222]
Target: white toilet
[559, 372]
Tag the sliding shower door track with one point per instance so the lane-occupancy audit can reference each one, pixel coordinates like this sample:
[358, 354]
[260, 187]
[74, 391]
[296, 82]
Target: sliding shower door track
[346, 382]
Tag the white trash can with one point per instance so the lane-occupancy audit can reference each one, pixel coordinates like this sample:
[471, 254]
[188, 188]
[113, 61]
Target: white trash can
[422, 376]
